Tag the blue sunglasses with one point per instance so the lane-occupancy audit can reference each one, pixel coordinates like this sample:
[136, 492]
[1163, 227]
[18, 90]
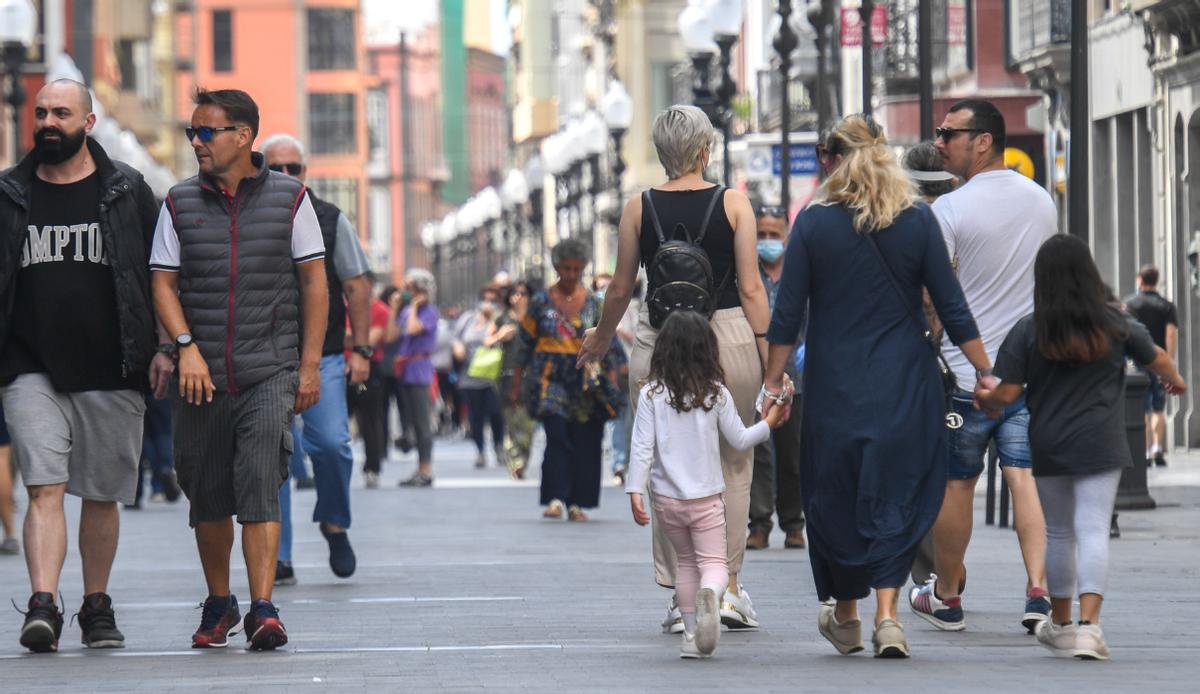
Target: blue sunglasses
[207, 132]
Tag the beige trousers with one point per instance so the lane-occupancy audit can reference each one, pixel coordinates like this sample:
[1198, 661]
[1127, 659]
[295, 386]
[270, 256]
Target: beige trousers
[743, 378]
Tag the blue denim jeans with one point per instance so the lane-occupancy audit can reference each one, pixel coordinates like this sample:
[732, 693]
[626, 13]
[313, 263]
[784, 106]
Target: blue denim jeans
[325, 437]
[621, 427]
[969, 444]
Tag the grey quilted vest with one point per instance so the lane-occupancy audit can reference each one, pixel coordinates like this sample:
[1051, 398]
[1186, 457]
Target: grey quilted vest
[237, 282]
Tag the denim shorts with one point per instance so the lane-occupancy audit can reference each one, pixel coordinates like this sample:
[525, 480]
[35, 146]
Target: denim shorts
[969, 444]
[1156, 394]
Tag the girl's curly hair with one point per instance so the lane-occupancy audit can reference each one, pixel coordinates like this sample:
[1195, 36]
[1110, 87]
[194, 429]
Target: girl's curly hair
[686, 362]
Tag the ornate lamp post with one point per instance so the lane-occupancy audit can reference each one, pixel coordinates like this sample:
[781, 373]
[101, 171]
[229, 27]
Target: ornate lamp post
[513, 192]
[865, 11]
[18, 27]
[785, 42]
[535, 176]
[725, 18]
[697, 37]
[443, 252]
[818, 18]
[618, 116]
[491, 208]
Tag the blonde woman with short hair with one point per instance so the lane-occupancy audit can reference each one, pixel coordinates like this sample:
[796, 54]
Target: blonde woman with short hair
[873, 435]
[683, 137]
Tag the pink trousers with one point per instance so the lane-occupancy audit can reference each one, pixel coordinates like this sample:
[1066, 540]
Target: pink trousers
[696, 530]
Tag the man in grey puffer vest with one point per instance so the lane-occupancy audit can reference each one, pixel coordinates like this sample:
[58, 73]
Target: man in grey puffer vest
[238, 266]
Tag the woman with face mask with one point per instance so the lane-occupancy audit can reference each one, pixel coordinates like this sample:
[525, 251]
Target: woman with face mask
[483, 400]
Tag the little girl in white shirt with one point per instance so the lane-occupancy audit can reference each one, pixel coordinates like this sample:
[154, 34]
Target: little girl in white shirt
[676, 451]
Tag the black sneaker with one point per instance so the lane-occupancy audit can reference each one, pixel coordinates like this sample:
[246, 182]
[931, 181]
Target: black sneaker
[1159, 460]
[99, 623]
[284, 574]
[417, 480]
[264, 630]
[219, 619]
[43, 624]
[341, 555]
[170, 485]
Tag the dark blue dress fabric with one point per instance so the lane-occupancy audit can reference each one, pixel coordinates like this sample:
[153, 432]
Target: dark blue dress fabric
[873, 442]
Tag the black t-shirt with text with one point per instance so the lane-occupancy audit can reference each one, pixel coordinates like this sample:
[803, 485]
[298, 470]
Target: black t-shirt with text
[1076, 412]
[64, 320]
[1155, 313]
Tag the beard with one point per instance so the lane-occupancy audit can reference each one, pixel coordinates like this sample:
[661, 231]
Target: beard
[57, 151]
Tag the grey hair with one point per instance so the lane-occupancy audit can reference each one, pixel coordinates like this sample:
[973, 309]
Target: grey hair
[422, 281]
[680, 134]
[571, 249]
[284, 139]
[925, 157]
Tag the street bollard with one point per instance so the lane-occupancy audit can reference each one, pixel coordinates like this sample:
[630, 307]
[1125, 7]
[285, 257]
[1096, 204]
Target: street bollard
[1133, 494]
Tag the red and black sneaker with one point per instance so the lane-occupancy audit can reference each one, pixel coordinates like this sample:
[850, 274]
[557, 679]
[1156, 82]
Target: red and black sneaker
[220, 618]
[43, 624]
[264, 631]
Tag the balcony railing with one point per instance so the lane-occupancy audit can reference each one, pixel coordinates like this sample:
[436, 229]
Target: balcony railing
[1037, 25]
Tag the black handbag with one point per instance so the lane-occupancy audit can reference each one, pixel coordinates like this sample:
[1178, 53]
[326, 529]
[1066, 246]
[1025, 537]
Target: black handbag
[949, 381]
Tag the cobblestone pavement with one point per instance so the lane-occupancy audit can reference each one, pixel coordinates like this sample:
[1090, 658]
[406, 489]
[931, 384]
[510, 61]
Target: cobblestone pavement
[464, 587]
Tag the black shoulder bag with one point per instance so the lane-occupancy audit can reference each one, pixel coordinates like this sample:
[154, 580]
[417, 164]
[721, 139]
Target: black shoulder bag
[949, 382]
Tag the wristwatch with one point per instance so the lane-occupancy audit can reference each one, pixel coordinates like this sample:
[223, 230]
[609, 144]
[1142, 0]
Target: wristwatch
[364, 351]
[183, 340]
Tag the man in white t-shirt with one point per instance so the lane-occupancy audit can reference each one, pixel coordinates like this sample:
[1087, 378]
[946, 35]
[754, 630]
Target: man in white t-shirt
[993, 225]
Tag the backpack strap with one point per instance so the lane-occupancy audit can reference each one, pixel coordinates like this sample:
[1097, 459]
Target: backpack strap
[712, 204]
[648, 202]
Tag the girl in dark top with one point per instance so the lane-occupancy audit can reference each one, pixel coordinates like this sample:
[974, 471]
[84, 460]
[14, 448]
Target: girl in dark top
[1070, 356]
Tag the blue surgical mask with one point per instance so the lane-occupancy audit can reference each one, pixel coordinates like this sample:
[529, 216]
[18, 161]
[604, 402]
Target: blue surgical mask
[770, 250]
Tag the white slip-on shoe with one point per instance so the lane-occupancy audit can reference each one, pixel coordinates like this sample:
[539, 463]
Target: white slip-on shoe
[1059, 640]
[845, 636]
[737, 611]
[708, 621]
[1089, 642]
[689, 650]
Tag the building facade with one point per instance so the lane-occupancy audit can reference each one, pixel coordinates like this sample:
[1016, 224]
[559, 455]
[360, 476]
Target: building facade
[309, 80]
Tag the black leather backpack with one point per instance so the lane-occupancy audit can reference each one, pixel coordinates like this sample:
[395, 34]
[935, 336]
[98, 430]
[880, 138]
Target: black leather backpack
[680, 275]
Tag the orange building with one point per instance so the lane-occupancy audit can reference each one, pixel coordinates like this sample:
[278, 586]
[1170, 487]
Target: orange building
[303, 63]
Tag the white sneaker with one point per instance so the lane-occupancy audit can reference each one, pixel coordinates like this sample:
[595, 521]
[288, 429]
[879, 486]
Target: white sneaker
[1059, 640]
[708, 621]
[673, 624]
[372, 480]
[1089, 643]
[737, 611]
[688, 648]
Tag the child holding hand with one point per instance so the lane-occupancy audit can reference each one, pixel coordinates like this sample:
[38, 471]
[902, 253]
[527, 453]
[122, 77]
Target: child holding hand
[1070, 355]
[675, 450]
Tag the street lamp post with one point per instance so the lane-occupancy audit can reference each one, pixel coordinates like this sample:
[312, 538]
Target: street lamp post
[785, 42]
[725, 18]
[865, 11]
[818, 18]
[618, 116]
[18, 26]
[925, 65]
[697, 37]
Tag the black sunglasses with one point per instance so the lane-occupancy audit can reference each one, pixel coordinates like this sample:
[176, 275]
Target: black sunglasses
[947, 134]
[292, 169]
[207, 132]
[771, 211]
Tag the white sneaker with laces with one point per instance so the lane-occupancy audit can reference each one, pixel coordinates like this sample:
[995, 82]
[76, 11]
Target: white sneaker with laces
[708, 621]
[1059, 640]
[673, 624]
[737, 611]
[1089, 643]
[689, 650]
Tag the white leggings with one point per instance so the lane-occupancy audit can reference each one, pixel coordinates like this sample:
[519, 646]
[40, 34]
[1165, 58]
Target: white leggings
[1078, 510]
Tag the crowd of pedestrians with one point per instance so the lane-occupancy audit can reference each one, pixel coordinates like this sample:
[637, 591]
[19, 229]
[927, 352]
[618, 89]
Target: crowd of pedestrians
[835, 376]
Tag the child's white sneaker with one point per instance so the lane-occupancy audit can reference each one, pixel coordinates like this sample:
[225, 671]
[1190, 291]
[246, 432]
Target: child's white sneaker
[1089, 643]
[688, 649]
[673, 624]
[1058, 639]
[708, 621]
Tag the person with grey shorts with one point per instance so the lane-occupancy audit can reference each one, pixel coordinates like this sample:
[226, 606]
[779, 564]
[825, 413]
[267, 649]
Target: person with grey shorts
[77, 338]
[238, 266]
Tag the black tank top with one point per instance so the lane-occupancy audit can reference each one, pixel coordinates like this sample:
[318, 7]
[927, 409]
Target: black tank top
[687, 207]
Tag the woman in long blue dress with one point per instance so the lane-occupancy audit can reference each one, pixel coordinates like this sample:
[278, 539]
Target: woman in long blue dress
[873, 444]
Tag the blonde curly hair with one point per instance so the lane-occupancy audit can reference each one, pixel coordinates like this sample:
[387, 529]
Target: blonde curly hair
[869, 180]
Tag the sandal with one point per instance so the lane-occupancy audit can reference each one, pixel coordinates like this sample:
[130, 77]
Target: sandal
[553, 510]
[574, 513]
